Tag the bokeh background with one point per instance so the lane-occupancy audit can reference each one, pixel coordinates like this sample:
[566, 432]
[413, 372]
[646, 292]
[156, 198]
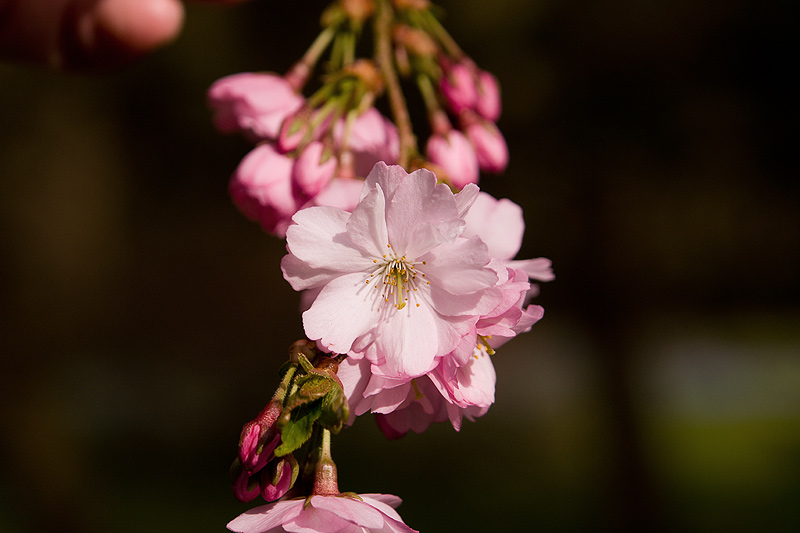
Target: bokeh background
[142, 318]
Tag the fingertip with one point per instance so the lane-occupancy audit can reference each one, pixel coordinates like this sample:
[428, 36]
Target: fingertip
[139, 25]
[115, 32]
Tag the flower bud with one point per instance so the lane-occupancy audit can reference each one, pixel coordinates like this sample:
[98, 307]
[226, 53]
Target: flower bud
[245, 488]
[454, 153]
[255, 104]
[261, 188]
[292, 131]
[488, 104]
[490, 146]
[458, 86]
[313, 168]
[259, 438]
[279, 478]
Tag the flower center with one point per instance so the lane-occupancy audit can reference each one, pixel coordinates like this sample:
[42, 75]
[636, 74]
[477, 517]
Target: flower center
[397, 278]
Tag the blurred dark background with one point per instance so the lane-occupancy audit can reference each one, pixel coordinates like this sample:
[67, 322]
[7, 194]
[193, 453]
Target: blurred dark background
[142, 318]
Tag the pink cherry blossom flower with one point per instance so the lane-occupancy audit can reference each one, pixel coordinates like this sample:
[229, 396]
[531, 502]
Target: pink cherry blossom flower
[253, 103]
[455, 154]
[396, 281]
[261, 188]
[367, 513]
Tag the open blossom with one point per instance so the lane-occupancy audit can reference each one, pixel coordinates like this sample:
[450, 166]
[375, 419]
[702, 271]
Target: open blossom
[396, 282]
[368, 513]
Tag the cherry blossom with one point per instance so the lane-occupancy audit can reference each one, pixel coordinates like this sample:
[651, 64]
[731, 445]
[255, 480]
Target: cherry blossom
[396, 282]
[365, 513]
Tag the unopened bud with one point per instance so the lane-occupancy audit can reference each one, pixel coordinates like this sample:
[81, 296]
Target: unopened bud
[280, 478]
[260, 437]
[488, 104]
[245, 488]
[313, 168]
[455, 154]
[458, 85]
[294, 128]
[490, 146]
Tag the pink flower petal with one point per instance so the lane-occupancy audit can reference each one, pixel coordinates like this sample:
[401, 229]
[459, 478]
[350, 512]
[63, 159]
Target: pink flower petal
[350, 509]
[263, 519]
[326, 322]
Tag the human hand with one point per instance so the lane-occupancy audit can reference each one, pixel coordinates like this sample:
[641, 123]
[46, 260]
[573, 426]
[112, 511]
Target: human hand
[87, 34]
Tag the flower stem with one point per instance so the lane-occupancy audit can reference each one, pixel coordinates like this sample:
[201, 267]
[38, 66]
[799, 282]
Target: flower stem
[280, 393]
[397, 102]
[300, 71]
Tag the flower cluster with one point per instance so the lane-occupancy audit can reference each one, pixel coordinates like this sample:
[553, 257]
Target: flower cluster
[407, 270]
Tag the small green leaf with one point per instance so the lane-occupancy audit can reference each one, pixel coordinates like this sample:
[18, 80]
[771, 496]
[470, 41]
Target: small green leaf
[297, 430]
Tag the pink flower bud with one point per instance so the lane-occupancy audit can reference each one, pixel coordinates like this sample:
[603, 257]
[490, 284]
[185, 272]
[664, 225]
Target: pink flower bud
[314, 168]
[454, 153]
[255, 104]
[458, 86]
[245, 488]
[488, 104]
[292, 131]
[261, 188]
[279, 478]
[490, 146]
[260, 437]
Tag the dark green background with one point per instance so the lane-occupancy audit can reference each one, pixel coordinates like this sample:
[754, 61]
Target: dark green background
[142, 318]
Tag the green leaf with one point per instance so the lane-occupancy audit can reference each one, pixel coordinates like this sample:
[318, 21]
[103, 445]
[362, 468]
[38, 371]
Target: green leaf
[297, 430]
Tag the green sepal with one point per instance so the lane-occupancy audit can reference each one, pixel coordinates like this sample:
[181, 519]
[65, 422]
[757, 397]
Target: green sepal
[335, 410]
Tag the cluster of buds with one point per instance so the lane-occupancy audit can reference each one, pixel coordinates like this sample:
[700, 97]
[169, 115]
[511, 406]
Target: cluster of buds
[316, 150]
[308, 151]
[274, 447]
